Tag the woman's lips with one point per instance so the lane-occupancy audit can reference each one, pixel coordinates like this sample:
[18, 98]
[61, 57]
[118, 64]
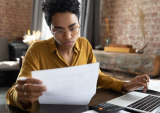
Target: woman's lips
[68, 43]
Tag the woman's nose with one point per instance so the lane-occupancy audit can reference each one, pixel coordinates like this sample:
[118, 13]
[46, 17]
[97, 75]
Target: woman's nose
[67, 34]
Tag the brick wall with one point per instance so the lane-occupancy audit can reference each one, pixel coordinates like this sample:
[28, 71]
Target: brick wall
[125, 29]
[15, 18]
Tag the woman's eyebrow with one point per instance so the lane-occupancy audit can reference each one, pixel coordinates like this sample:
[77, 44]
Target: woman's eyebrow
[72, 25]
[63, 28]
[58, 27]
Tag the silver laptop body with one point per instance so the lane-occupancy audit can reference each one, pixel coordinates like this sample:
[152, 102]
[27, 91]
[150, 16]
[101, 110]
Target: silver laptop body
[136, 101]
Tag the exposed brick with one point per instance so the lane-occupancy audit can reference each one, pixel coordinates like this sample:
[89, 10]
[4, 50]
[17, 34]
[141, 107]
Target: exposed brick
[13, 15]
[153, 44]
[157, 39]
[132, 27]
[158, 27]
[151, 15]
[156, 21]
[149, 38]
[145, 3]
[149, 26]
[123, 24]
[132, 37]
[154, 32]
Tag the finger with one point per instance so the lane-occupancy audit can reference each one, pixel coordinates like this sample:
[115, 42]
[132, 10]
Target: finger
[144, 87]
[30, 94]
[24, 80]
[35, 88]
[145, 84]
[144, 90]
[28, 99]
[145, 76]
[31, 88]
[144, 81]
[138, 84]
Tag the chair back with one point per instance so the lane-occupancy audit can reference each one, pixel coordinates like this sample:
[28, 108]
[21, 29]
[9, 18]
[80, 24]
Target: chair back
[4, 50]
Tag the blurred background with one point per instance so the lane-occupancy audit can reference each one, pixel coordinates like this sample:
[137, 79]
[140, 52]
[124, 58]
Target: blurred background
[103, 22]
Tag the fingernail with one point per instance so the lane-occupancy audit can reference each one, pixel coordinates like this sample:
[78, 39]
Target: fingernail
[40, 82]
[44, 88]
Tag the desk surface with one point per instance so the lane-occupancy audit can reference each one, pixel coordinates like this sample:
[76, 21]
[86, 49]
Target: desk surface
[101, 96]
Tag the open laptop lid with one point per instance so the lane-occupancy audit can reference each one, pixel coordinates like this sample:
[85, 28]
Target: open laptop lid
[128, 99]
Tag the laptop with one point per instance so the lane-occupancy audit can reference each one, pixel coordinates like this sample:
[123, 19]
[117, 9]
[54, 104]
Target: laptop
[136, 101]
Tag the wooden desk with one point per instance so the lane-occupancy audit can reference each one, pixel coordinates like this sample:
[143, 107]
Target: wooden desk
[101, 96]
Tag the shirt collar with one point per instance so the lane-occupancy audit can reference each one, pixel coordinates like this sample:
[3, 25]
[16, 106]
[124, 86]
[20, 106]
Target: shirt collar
[53, 47]
[77, 45]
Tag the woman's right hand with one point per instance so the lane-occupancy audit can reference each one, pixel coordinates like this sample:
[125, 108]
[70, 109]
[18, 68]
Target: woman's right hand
[29, 89]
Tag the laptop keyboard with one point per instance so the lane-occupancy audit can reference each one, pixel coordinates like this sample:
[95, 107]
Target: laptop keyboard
[146, 104]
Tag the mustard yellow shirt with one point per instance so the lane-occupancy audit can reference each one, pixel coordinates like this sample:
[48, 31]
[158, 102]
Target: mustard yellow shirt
[44, 55]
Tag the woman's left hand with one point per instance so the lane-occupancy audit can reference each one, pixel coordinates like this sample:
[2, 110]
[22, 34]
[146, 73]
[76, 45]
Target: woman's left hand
[137, 82]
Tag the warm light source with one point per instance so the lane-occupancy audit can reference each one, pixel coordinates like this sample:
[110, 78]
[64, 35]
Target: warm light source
[29, 32]
[29, 39]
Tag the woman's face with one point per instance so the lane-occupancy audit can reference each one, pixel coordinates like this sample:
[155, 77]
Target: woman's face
[65, 29]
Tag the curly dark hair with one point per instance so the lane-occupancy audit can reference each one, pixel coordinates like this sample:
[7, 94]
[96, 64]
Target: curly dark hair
[50, 7]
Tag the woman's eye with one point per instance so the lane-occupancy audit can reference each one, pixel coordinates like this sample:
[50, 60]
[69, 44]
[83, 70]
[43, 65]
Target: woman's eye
[72, 29]
[59, 31]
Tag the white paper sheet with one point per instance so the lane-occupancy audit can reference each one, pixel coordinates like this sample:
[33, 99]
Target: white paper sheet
[90, 111]
[154, 85]
[71, 85]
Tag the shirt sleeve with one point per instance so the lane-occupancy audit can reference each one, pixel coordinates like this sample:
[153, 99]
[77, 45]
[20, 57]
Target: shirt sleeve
[30, 64]
[104, 81]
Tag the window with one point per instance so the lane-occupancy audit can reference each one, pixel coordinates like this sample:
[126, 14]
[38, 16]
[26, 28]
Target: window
[46, 34]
